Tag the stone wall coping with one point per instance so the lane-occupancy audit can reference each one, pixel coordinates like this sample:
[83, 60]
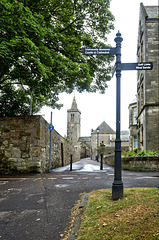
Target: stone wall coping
[141, 158]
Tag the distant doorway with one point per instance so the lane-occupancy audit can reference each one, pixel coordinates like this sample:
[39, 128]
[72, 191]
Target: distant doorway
[62, 159]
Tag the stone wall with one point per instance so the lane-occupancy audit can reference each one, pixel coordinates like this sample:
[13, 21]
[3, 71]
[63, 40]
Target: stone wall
[24, 145]
[138, 163]
[109, 160]
[108, 151]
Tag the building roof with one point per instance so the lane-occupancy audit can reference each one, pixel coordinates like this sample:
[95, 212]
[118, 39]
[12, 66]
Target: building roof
[124, 132]
[84, 139]
[104, 128]
[74, 106]
[124, 136]
[134, 101]
[150, 11]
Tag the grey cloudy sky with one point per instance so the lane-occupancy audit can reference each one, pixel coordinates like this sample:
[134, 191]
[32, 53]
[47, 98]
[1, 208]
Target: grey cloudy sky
[96, 108]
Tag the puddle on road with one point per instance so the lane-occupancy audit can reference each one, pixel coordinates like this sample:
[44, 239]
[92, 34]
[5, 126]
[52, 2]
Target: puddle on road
[61, 185]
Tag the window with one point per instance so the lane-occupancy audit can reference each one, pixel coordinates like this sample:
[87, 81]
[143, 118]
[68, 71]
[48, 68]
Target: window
[141, 58]
[72, 117]
[142, 134]
[138, 101]
[135, 115]
[142, 96]
[135, 141]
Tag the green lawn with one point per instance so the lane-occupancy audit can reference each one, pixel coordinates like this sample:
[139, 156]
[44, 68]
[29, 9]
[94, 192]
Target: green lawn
[134, 217]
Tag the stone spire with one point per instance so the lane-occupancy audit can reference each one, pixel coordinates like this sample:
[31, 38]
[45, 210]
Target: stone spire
[74, 104]
[73, 123]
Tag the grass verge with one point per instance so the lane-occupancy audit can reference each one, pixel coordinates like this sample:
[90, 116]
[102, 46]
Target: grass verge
[134, 217]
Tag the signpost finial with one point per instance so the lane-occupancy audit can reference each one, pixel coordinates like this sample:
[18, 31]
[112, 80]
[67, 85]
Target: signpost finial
[118, 38]
[118, 34]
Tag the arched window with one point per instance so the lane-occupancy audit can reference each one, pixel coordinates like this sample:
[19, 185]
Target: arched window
[72, 117]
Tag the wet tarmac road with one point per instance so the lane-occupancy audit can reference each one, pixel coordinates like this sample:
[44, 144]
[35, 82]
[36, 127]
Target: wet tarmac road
[38, 206]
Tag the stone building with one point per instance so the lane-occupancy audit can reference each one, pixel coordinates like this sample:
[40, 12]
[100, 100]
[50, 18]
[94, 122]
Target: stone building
[103, 134]
[82, 144]
[87, 145]
[73, 123]
[148, 81]
[133, 124]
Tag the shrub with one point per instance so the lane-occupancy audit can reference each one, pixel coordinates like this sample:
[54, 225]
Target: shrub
[140, 153]
[130, 153]
[68, 140]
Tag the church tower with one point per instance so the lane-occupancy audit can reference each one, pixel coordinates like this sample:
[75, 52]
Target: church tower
[73, 123]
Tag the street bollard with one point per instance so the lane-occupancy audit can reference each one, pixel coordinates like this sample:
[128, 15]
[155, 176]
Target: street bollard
[71, 162]
[101, 164]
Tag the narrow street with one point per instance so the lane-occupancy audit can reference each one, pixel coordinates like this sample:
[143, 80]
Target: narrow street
[38, 206]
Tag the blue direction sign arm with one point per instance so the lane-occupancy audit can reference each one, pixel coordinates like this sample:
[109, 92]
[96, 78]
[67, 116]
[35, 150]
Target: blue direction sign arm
[99, 51]
[134, 66]
[137, 66]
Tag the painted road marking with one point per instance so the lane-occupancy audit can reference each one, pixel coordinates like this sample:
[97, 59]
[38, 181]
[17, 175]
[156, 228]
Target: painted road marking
[3, 182]
[149, 177]
[144, 177]
[68, 178]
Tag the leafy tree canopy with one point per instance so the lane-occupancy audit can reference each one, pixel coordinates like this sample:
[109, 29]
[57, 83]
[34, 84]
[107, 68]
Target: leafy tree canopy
[41, 45]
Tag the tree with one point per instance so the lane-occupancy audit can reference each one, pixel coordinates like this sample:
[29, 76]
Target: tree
[40, 49]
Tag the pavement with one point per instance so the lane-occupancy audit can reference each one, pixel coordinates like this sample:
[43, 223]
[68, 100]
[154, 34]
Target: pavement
[38, 206]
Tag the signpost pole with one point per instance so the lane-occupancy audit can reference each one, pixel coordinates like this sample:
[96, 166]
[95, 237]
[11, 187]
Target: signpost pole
[101, 164]
[117, 187]
[50, 145]
[71, 162]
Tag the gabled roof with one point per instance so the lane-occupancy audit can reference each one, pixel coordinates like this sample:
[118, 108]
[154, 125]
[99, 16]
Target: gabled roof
[84, 139]
[104, 128]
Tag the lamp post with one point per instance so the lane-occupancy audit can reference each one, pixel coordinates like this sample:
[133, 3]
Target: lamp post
[97, 141]
[117, 187]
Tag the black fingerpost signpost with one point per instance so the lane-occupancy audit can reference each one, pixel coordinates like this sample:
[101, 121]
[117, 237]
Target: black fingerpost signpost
[117, 186]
